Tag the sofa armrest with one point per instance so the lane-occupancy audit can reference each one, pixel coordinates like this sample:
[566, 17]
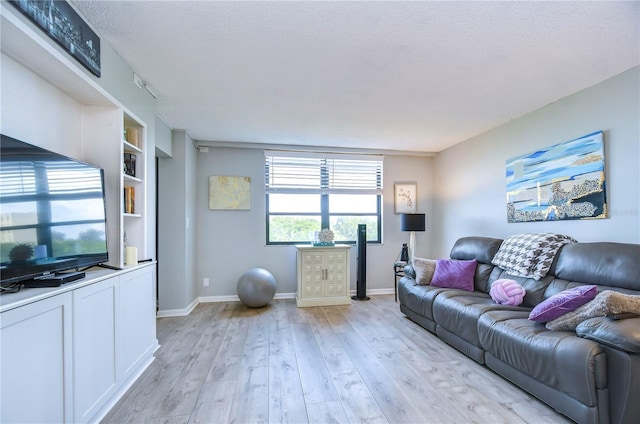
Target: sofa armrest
[622, 334]
[409, 271]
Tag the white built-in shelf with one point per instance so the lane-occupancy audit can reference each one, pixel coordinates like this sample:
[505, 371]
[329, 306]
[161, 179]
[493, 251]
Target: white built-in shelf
[130, 179]
[130, 148]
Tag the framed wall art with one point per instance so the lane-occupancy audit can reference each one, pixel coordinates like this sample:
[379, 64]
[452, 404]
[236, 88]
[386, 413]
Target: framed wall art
[560, 182]
[229, 193]
[405, 195]
[63, 25]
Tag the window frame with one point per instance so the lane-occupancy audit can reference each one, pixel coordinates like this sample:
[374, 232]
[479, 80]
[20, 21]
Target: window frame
[325, 219]
[324, 192]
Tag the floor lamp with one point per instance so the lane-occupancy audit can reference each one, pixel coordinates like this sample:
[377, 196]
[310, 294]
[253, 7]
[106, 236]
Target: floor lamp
[412, 222]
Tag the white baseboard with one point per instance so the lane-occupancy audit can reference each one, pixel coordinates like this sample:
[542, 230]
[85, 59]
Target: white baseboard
[235, 298]
[177, 312]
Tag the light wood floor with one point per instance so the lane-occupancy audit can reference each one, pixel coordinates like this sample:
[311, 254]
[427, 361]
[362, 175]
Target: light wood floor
[226, 363]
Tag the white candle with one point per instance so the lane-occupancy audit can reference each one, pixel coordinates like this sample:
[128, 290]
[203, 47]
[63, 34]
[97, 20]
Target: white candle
[131, 256]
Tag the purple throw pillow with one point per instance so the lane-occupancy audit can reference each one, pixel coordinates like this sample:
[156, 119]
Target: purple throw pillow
[454, 274]
[563, 302]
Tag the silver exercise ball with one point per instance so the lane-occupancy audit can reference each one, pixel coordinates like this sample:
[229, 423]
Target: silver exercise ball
[256, 287]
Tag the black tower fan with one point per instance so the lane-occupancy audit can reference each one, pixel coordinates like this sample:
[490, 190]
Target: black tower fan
[361, 284]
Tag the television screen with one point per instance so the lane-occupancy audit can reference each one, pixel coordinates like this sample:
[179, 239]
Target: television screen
[52, 212]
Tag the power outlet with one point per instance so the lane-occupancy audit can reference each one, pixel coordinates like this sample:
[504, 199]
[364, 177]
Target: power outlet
[205, 282]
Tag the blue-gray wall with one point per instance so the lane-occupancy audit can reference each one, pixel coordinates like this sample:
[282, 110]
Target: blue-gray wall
[470, 193]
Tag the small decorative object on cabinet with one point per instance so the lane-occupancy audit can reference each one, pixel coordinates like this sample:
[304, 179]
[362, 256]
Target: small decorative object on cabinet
[323, 275]
[324, 238]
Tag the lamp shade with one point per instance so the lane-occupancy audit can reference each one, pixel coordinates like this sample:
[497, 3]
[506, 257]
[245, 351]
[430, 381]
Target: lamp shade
[412, 222]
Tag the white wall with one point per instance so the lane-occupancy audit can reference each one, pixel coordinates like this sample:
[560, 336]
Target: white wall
[177, 228]
[36, 112]
[163, 138]
[470, 195]
[230, 242]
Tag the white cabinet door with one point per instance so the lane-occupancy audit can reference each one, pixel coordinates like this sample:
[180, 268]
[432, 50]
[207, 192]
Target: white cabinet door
[336, 278]
[36, 364]
[137, 321]
[94, 343]
[312, 274]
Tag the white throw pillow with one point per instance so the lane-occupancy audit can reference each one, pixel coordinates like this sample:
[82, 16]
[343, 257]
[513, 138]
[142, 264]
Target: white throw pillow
[424, 269]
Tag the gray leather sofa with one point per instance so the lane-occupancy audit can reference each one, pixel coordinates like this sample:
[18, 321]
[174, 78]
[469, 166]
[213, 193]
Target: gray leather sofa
[591, 375]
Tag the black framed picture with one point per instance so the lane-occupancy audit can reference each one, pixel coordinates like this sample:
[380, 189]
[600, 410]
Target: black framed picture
[63, 24]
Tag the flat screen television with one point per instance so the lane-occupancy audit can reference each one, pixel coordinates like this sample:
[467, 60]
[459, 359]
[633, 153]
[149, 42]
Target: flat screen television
[52, 213]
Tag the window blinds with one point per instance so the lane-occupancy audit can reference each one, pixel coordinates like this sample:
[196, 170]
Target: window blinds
[51, 178]
[303, 172]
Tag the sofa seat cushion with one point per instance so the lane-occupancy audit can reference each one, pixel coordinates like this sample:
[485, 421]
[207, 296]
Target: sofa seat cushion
[557, 359]
[458, 311]
[418, 298]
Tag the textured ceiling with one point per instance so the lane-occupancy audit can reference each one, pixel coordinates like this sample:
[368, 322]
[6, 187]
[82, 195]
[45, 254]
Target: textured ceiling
[417, 76]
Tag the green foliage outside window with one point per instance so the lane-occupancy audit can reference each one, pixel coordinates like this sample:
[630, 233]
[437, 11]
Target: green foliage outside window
[301, 229]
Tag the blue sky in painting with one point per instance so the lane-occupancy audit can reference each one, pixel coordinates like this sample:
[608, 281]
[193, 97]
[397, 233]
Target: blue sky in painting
[560, 162]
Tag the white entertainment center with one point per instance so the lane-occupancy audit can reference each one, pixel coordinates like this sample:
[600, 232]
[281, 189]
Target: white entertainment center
[70, 352]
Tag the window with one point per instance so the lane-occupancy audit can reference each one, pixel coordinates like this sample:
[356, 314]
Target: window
[306, 192]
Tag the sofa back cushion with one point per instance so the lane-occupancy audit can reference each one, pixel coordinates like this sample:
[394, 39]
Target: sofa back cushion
[536, 290]
[482, 249]
[602, 263]
[611, 266]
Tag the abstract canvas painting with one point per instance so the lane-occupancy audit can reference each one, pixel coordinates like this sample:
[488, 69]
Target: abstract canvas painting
[561, 182]
[231, 193]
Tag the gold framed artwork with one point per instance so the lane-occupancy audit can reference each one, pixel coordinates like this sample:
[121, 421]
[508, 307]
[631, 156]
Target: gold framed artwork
[229, 192]
[405, 197]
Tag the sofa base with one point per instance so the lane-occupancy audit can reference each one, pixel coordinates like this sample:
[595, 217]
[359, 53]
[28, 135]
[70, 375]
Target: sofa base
[625, 394]
[423, 322]
[552, 397]
[461, 344]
